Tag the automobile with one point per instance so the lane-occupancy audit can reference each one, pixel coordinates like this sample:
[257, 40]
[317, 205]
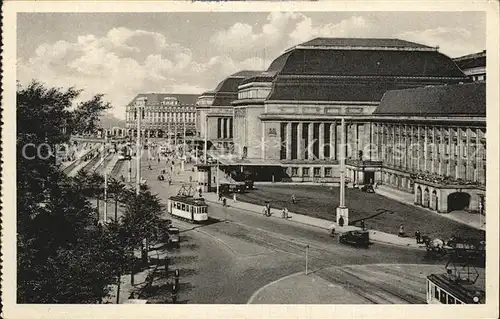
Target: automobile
[173, 236]
[368, 188]
[356, 238]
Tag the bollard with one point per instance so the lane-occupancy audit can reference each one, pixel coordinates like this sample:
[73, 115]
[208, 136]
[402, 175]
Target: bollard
[166, 265]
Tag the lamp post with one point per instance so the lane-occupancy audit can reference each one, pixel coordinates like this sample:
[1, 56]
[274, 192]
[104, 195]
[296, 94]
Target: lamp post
[206, 139]
[307, 249]
[139, 109]
[342, 210]
[105, 217]
[217, 177]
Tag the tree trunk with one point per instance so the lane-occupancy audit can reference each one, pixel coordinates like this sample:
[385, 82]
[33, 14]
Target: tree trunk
[98, 209]
[116, 209]
[118, 289]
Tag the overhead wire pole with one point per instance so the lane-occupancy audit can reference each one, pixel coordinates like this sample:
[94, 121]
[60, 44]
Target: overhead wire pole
[105, 217]
[206, 139]
[138, 151]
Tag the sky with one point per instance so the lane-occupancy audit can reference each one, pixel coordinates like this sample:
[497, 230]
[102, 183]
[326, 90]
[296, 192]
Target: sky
[123, 54]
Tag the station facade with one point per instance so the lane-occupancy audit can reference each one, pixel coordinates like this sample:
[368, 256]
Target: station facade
[214, 112]
[388, 91]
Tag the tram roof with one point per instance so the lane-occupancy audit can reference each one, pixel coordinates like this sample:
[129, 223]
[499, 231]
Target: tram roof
[189, 200]
[464, 292]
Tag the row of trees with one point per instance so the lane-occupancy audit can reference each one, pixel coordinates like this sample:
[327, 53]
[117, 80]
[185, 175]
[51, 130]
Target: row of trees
[64, 254]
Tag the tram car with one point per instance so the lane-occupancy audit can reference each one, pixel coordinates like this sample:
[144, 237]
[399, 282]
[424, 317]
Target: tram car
[441, 289]
[188, 208]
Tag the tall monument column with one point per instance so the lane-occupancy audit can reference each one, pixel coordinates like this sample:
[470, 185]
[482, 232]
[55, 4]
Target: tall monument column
[342, 210]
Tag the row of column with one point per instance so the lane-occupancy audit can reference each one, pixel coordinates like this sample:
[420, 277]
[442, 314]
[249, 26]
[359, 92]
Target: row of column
[160, 117]
[321, 141]
[447, 151]
[225, 127]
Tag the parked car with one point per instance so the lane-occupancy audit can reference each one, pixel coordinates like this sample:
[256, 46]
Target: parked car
[368, 188]
[173, 237]
[356, 238]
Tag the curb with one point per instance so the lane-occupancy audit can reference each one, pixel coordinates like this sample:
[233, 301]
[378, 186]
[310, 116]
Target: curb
[320, 227]
[256, 293]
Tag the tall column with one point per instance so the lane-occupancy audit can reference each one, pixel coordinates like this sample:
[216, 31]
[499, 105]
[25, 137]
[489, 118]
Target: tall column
[333, 141]
[449, 170]
[288, 140]
[468, 163]
[426, 141]
[441, 151]
[321, 141]
[434, 151]
[342, 210]
[459, 154]
[310, 139]
[300, 142]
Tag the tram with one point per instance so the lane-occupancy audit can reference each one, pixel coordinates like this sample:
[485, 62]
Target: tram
[441, 289]
[188, 208]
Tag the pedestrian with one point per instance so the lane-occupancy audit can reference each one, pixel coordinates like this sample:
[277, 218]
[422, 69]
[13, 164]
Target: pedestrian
[158, 160]
[401, 231]
[341, 221]
[363, 224]
[294, 199]
[220, 196]
[190, 179]
[417, 236]
[234, 197]
[200, 191]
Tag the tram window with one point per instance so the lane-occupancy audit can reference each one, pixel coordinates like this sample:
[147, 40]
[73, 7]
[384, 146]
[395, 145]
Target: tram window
[442, 297]
[183, 207]
[436, 292]
[451, 300]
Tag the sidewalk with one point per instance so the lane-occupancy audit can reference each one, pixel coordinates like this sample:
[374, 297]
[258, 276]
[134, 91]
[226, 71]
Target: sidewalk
[463, 217]
[375, 235]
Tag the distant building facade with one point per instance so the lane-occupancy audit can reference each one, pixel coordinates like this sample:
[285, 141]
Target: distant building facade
[164, 114]
[473, 65]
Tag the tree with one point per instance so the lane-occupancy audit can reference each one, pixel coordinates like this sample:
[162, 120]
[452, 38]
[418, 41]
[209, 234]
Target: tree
[116, 189]
[62, 257]
[95, 184]
[142, 220]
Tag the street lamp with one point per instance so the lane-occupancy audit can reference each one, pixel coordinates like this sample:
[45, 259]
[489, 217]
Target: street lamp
[105, 217]
[307, 248]
[139, 115]
[206, 138]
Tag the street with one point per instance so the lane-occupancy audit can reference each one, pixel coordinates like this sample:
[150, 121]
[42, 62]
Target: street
[228, 260]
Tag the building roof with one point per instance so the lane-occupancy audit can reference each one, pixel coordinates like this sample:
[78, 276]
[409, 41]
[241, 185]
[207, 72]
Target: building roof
[155, 98]
[470, 61]
[450, 100]
[227, 90]
[362, 58]
[364, 42]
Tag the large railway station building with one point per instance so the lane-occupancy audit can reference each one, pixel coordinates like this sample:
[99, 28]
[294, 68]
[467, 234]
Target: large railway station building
[414, 120]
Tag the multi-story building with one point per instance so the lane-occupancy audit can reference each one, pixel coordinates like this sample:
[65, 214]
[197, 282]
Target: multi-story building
[288, 119]
[164, 114]
[214, 112]
[473, 65]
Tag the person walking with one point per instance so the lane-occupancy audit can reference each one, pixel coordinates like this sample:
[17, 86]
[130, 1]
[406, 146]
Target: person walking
[294, 199]
[417, 236]
[341, 221]
[401, 231]
[362, 224]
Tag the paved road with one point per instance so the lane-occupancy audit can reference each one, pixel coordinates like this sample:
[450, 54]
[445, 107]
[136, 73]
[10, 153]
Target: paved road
[227, 261]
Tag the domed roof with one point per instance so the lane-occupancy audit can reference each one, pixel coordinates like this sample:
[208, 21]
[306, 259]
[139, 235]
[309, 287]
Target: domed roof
[227, 90]
[309, 70]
